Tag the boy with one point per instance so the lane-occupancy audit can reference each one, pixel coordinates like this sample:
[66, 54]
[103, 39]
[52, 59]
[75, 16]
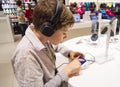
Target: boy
[34, 58]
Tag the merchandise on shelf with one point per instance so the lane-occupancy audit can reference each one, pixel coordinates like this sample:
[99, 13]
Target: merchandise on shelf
[9, 8]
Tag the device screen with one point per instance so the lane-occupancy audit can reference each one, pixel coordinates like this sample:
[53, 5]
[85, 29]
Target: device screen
[84, 60]
[76, 17]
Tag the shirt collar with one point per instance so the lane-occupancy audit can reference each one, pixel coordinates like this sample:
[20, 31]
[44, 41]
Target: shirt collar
[34, 39]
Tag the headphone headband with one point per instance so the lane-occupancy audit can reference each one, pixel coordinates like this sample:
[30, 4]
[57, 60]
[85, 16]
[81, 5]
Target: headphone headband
[58, 12]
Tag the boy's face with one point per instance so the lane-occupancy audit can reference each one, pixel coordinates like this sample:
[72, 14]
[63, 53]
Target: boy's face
[59, 36]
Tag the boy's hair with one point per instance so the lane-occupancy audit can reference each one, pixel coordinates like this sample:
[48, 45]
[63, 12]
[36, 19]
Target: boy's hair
[45, 9]
[18, 3]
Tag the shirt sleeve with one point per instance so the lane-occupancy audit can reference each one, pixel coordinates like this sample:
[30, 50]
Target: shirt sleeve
[58, 80]
[62, 49]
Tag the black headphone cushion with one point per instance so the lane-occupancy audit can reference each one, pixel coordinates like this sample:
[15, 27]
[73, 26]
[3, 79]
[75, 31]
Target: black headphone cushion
[47, 29]
[94, 37]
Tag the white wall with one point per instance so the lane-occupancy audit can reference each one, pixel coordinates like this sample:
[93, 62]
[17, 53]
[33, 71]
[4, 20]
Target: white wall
[93, 0]
[108, 0]
[6, 32]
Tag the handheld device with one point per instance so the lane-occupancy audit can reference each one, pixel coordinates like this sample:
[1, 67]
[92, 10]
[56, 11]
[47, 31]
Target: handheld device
[84, 60]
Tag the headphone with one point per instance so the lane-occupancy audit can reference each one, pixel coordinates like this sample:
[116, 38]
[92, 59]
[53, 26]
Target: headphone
[94, 37]
[48, 28]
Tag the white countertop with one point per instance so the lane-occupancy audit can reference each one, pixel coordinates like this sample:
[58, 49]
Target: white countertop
[106, 74]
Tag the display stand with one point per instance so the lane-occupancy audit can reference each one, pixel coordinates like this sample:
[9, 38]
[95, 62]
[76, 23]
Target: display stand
[86, 16]
[6, 32]
[106, 56]
[118, 44]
